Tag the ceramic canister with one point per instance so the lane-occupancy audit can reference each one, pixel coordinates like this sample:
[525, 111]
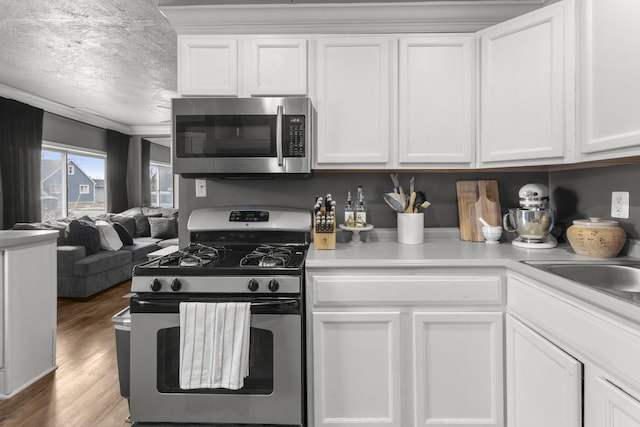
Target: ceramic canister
[596, 237]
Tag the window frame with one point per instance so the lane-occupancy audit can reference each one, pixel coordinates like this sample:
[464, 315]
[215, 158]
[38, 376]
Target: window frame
[158, 164]
[65, 150]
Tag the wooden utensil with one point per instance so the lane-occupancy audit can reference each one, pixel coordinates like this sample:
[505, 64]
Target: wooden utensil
[412, 199]
[477, 199]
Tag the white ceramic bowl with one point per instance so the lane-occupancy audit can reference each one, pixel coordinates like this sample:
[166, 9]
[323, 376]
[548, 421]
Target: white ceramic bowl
[492, 233]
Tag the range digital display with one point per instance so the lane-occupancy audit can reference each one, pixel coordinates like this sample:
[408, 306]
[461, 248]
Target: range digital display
[249, 216]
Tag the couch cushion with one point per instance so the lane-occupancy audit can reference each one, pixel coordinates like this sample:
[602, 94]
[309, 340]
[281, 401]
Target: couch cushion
[127, 221]
[164, 212]
[84, 233]
[163, 228]
[61, 227]
[140, 249]
[67, 257]
[123, 233]
[101, 261]
[109, 238]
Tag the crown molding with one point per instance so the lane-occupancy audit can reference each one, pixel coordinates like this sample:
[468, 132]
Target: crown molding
[389, 17]
[82, 115]
[150, 130]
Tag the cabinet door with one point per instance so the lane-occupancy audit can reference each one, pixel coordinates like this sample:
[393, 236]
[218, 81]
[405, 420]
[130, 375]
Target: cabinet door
[544, 384]
[610, 87]
[207, 66]
[527, 89]
[436, 102]
[353, 102]
[458, 369]
[356, 368]
[608, 405]
[30, 313]
[278, 67]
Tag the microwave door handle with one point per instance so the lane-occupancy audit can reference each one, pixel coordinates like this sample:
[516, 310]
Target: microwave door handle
[279, 147]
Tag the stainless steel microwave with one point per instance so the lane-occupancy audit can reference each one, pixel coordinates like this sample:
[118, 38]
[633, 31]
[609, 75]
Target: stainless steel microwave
[242, 137]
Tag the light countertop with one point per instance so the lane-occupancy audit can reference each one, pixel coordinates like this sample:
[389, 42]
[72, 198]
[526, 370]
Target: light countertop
[443, 248]
[13, 238]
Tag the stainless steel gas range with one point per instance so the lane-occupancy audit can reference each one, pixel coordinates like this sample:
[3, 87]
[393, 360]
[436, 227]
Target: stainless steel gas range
[235, 254]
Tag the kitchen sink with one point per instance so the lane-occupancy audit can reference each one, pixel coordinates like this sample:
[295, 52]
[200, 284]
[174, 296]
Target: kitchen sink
[625, 278]
[622, 280]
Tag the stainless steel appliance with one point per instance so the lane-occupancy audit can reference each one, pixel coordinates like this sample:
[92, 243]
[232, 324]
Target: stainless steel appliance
[242, 137]
[252, 255]
[534, 220]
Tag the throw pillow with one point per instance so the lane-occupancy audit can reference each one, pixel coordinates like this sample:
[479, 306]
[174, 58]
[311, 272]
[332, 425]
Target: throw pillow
[163, 228]
[109, 238]
[84, 233]
[127, 221]
[142, 226]
[123, 233]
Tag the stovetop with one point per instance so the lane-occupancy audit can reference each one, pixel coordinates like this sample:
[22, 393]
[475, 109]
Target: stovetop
[200, 259]
[233, 251]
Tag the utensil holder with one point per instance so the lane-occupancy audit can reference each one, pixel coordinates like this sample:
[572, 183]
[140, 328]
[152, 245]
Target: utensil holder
[411, 228]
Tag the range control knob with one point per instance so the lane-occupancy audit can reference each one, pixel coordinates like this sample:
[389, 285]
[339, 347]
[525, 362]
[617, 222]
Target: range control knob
[273, 285]
[155, 285]
[253, 285]
[176, 285]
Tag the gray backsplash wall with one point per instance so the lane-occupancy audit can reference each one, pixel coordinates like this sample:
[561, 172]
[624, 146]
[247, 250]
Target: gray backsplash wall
[586, 193]
[440, 189]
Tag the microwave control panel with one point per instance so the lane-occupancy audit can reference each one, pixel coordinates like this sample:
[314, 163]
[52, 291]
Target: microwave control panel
[293, 136]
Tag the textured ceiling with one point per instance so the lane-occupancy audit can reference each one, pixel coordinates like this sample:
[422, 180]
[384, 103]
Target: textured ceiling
[113, 58]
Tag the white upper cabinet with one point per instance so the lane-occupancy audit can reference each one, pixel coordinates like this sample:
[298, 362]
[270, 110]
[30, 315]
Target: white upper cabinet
[278, 66]
[213, 66]
[527, 95]
[353, 102]
[207, 66]
[436, 101]
[610, 86]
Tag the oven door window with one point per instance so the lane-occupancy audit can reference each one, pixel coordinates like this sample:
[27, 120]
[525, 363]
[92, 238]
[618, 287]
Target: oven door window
[226, 136]
[259, 381]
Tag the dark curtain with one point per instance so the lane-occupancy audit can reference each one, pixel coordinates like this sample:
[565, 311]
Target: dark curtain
[20, 157]
[144, 165]
[117, 155]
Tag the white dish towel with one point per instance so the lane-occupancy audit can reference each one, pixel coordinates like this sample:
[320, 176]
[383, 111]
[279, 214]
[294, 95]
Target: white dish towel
[214, 344]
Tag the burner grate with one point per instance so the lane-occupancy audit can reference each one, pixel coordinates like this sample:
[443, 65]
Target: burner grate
[194, 255]
[268, 256]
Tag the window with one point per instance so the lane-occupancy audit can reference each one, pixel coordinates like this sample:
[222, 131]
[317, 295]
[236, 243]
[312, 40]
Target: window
[161, 185]
[80, 191]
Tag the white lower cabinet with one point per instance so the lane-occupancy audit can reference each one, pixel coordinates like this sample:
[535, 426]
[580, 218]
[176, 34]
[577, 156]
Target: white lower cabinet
[554, 339]
[357, 368]
[457, 368]
[608, 404]
[544, 384]
[405, 350]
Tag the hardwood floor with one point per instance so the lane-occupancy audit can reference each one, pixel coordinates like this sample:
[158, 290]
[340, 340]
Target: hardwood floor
[84, 391]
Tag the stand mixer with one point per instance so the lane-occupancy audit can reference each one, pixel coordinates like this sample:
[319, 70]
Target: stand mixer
[534, 220]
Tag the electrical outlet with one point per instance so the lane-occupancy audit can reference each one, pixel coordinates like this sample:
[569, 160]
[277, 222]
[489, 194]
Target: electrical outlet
[201, 188]
[620, 204]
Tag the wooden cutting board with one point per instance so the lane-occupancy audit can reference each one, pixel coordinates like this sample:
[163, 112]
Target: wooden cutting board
[477, 199]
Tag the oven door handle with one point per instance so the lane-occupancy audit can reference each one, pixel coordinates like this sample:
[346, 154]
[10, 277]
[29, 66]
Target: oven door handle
[279, 139]
[286, 304]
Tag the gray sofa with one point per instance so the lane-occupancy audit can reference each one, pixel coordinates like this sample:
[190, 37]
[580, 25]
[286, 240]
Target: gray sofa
[84, 271]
